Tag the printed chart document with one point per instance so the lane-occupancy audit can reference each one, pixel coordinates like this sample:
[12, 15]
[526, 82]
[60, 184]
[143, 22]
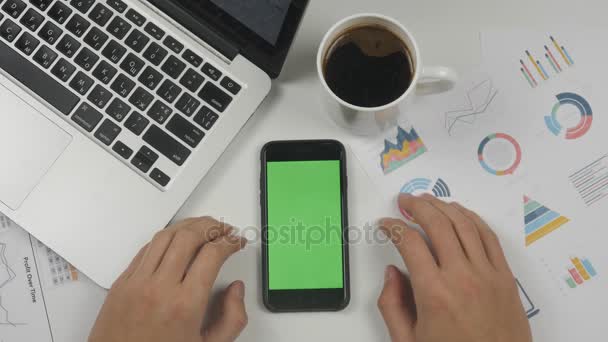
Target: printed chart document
[42, 297]
[521, 140]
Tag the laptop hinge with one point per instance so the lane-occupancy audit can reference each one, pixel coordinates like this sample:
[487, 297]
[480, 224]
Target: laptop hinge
[197, 28]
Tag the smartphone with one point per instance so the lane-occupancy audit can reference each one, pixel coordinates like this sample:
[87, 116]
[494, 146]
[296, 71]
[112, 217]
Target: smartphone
[304, 226]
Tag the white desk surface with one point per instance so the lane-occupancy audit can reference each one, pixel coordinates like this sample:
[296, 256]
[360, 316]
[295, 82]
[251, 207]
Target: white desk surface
[448, 33]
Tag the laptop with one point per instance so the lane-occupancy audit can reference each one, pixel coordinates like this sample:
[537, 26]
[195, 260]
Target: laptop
[114, 110]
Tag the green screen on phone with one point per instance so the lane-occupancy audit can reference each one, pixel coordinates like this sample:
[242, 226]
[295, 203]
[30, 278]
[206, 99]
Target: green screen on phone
[304, 225]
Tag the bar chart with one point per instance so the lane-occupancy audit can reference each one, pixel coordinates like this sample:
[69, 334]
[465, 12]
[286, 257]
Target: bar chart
[533, 68]
[580, 270]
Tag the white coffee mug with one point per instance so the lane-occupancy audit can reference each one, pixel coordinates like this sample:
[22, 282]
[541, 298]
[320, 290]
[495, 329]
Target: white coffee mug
[373, 120]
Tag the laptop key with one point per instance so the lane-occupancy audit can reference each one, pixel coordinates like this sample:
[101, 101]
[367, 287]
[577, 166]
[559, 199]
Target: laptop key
[173, 67]
[123, 85]
[118, 110]
[96, 38]
[81, 83]
[137, 123]
[150, 78]
[211, 71]
[44, 85]
[173, 44]
[192, 80]
[114, 51]
[104, 72]
[137, 40]
[118, 5]
[63, 70]
[160, 112]
[214, 96]
[107, 132]
[166, 145]
[230, 85]
[192, 58]
[154, 31]
[141, 99]
[82, 5]
[169, 91]
[27, 43]
[206, 118]
[119, 27]
[86, 59]
[45, 56]
[144, 159]
[187, 104]
[9, 30]
[132, 65]
[99, 96]
[77, 25]
[135, 17]
[160, 177]
[155, 54]
[184, 130]
[50, 32]
[123, 150]
[60, 12]
[68, 46]
[101, 14]
[41, 4]
[14, 8]
[87, 117]
[32, 19]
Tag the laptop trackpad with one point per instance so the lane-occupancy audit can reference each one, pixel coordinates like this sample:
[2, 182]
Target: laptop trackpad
[29, 145]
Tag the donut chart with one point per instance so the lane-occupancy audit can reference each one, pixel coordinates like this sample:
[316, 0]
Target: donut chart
[582, 105]
[482, 159]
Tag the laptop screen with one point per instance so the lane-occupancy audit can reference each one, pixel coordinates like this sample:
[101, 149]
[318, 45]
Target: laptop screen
[261, 30]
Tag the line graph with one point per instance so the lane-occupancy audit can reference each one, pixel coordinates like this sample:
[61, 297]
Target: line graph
[6, 273]
[4, 318]
[478, 100]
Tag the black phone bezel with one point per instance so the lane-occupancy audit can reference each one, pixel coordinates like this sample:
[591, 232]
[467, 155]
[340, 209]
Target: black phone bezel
[315, 299]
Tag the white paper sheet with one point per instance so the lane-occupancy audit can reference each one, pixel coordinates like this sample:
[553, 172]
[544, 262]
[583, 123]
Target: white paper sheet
[42, 297]
[532, 158]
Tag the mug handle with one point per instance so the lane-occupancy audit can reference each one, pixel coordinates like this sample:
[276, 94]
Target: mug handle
[437, 79]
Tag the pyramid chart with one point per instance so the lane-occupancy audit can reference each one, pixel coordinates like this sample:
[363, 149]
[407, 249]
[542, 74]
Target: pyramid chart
[540, 220]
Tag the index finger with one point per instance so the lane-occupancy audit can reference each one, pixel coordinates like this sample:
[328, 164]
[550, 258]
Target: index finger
[206, 266]
[413, 249]
[436, 225]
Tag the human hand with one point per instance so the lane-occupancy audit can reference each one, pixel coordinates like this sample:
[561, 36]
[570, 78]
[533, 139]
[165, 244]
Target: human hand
[164, 293]
[466, 293]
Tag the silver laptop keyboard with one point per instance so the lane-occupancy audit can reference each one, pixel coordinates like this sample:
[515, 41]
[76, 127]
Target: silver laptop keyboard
[115, 75]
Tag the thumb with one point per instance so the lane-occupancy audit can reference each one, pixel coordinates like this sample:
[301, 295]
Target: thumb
[233, 317]
[396, 305]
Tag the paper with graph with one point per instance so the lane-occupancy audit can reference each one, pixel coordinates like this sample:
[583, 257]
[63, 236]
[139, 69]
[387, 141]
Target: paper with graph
[521, 140]
[42, 297]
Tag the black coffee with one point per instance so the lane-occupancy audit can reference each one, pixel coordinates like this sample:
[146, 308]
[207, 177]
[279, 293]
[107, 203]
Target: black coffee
[368, 66]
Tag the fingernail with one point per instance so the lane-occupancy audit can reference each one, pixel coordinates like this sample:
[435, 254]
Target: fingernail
[240, 289]
[244, 242]
[388, 273]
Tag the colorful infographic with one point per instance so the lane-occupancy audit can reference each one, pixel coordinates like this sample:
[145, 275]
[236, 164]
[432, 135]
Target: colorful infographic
[417, 186]
[584, 110]
[408, 147]
[533, 69]
[579, 272]
[490, 162]
[540, 221]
